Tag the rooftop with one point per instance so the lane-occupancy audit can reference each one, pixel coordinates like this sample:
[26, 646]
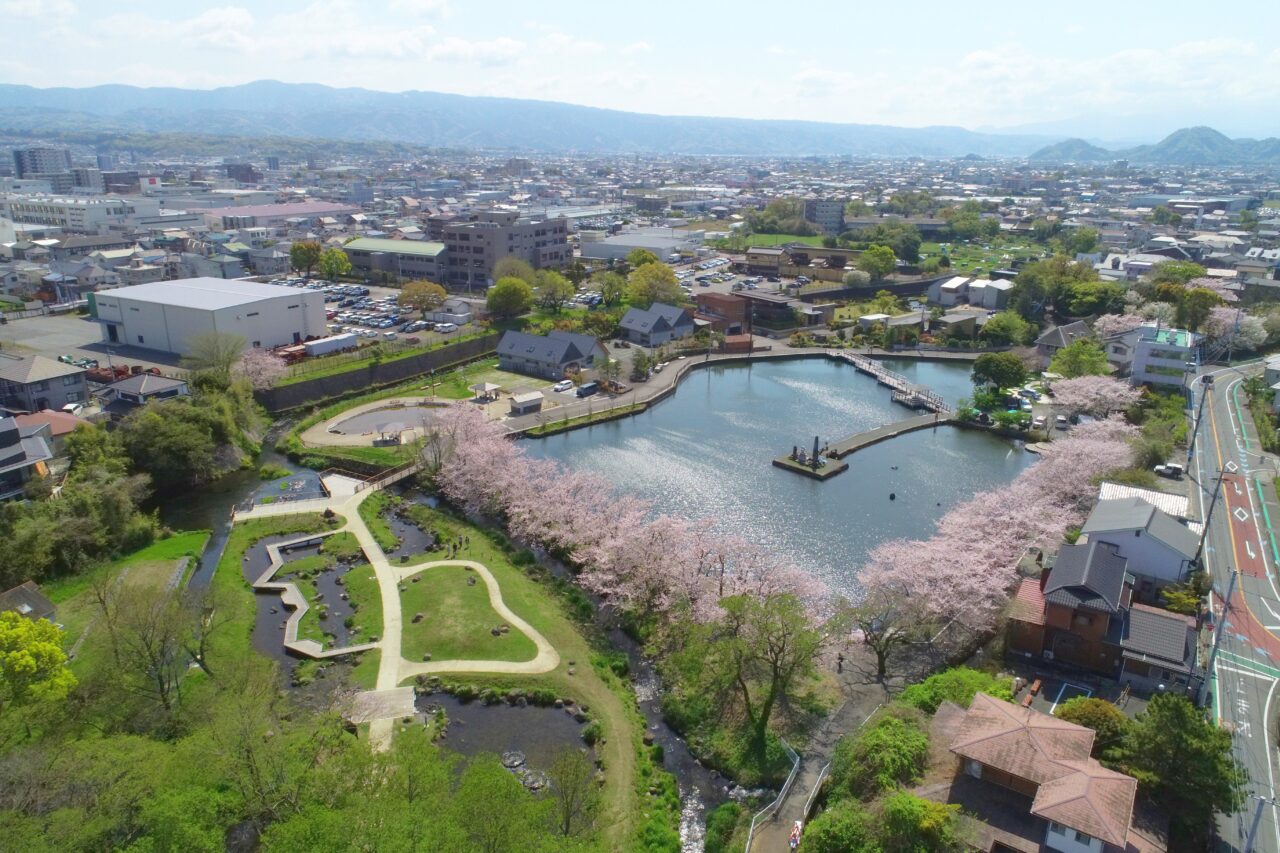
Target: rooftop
[396, 247]
[210, 294]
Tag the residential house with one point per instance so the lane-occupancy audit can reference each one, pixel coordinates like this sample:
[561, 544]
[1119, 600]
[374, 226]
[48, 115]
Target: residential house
[952, 291]
[1081, 612]
[656, 325]
[1159, 550]
[23, 456]
[138, 390]
[32, 383]
[1120, 350]
[1164, 356]
[27, 600]
[54, 426]
[1048, 344]
[764, 260]
[453, 310]
[725, 312]
[548, 357]
[1076, 805]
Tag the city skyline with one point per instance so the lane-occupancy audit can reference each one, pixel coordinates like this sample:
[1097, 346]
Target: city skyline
[1111, 74]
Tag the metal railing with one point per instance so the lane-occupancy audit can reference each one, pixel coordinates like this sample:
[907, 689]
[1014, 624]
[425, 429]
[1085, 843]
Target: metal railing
[817, 786]
[782, 795]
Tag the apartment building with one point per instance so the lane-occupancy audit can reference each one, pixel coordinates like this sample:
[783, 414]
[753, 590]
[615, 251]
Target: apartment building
[84, 215]
[827, 214]
[40, 160]
[474, 247]
[1164, 356]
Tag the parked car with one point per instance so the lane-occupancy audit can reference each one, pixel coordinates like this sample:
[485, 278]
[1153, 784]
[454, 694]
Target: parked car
[588, 388]
[1172, 470]
[562, 385]
[1061, 422]
[1039, 422]
[446, 328]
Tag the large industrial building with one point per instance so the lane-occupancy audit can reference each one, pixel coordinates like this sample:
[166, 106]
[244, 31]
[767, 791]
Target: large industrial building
[402, 258]
[166, 315]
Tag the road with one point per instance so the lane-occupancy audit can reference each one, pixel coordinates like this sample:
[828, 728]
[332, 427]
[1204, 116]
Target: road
[1240, 541]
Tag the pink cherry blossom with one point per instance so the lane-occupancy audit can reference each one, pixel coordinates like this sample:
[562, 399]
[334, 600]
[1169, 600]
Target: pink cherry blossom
[1093, 395]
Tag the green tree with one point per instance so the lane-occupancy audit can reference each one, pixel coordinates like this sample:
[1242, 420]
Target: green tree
[1175, 272]
[877, 262]
[1008, 327]
[1082, 241]
[89, 446]
[1081, 357]
[1041, 284]
[653, 282]
[1194, 307]
[33, 667]
[902, 237]
[304, 255]
[178, 442]
[495, 810]
[1163, 216]
[1001, 369]
[421, 296]
[553, 290]
[1093, 297]
[772, 646]
[513, 267]
[1185, 762]
[911, 824]
[887, 753]
[573, 791]
[844, 827]
[613, 287]
[639, 257]
[958, 685]
[1106, 719]
[510, 297]
[333, 263]
[213, 354]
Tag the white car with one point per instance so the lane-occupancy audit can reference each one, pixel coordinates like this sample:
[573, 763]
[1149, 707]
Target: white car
[562, 385]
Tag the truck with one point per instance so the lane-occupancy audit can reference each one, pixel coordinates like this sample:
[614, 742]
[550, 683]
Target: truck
[331, 344]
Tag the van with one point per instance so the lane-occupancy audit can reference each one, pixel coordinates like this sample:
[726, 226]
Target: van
[446, 327]
[586, 389]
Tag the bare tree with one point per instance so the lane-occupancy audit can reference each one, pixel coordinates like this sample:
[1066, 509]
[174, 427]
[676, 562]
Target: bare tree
[573, 793]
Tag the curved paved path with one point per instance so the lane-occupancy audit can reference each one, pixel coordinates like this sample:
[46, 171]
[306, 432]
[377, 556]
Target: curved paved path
[545, 660]
[318, 435]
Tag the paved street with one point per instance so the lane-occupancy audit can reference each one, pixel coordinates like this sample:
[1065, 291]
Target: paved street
[1240, 539]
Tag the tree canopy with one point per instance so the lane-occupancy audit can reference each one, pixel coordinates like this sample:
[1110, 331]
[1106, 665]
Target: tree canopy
[1081, 357]
[1007, 328]
[33, 666]
[304, 255]
[640, 257]
[421, 295]
[654, 282]
[1001, 369]
[513, 267]
[509, 297]
[333, 263]
[553, 290]
[878, 262]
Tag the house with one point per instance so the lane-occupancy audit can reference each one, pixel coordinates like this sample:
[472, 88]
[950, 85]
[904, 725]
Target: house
[1159, 550]
[763, 260]
[59, 425]
[992, 295]
[1120, 350]
[24, 456]
[951, 292]
[27, 600]
[32, 383]
[1048, 344]
[140, 389]
[1164, 356]
[1076, 805]
[656, 325]
[725, 312]
[550, 356]
[453, 310]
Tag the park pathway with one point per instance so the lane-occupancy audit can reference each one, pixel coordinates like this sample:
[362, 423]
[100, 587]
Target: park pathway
[387, 702]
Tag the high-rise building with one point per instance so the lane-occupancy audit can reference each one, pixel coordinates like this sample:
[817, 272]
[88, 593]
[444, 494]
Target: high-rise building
[106, 162]
[476, 245]
[827, 214]
[87, 179]
[243, 173]
[273, 164]
[40, 160]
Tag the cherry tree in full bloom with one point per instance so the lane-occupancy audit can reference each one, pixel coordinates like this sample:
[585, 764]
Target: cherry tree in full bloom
[1116, 324]
[1217, 285]
[1244, 331]
[261, 367]
[1094, 395]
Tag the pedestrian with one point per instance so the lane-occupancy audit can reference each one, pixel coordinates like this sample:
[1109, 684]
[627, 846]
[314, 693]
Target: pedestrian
[839, 662]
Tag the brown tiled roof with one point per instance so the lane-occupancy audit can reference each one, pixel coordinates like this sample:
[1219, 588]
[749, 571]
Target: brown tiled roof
[1093, 799]
[1074, 790]
[1028, 603]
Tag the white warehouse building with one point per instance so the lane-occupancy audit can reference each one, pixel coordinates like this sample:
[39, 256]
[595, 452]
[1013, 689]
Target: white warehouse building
[165, 315]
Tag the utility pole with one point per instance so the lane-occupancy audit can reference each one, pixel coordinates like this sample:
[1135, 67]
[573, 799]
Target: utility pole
[1208, 517]
[1217, 638]
[1257, 819]
[1195, 428]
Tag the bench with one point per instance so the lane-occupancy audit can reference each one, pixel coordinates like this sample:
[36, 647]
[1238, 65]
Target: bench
[1035, 687]
[1026, 700]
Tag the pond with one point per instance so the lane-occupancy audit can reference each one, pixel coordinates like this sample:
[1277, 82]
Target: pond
[705, 452]
[538, 734]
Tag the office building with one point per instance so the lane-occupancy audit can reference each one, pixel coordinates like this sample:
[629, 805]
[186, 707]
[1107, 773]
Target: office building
[400, 258]
[243, 173]
[82, 214]
[476, 245]
[827, 214]
[166, 315]
[40, 160]
[273, 164]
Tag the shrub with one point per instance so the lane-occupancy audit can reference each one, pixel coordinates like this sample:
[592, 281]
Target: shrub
[592, 732]
[1106, 719]
[272, 472]
[721, 822]
[889, 752]
[956, 685]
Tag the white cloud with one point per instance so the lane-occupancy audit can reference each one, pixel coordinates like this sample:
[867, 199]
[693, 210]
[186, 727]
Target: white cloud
[637, 47]
[499, 51]
[37, 9]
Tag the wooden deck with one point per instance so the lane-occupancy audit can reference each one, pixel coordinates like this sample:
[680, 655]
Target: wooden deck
[843, 447]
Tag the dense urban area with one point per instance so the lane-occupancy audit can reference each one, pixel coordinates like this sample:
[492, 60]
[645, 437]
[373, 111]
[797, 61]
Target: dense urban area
[381, 497]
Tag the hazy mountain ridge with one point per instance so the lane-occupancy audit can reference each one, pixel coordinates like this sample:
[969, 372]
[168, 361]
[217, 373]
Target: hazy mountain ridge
[1190, 146]
[268, 108]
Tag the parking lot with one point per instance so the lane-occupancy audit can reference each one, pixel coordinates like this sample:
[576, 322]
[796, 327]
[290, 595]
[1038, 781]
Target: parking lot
[78, 337]
[368, 312]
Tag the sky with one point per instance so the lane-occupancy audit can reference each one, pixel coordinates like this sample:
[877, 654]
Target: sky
[1122, 69]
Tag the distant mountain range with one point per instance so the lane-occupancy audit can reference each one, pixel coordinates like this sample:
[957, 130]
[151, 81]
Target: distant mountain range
[1191, 146]
[268, 108]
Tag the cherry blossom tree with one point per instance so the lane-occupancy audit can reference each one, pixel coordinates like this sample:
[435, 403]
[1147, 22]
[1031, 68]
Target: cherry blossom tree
[1109, 325]
[1232, 325]
[1217, 285]
[262, 368]
[1094, 395]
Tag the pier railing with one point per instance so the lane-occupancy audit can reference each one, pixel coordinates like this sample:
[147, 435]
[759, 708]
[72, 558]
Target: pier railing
[773, 807]
[904, 390]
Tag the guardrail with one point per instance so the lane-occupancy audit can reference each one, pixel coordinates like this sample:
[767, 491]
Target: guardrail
[817, 786]
[782, 795]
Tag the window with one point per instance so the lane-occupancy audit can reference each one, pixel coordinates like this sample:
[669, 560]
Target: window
[257, 344]
[252, 314]
[74, 396]
[71, 380]
[292, 307]
[1082, 838]
[1057, 829]
[141, 340]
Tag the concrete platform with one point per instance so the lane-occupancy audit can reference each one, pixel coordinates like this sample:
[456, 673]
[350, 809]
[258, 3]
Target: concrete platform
[826, 472]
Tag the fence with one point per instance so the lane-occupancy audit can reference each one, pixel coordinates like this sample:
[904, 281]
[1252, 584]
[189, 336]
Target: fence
[782, 795]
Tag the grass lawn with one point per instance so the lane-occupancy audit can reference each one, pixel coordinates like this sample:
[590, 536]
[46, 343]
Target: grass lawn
[458, 619]
[149, 568]
[968, 256]
[457, 385]
[366, 600]
[550, 427]
[371, 512]
[341, 363]
[779, 239]
[610, 699]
